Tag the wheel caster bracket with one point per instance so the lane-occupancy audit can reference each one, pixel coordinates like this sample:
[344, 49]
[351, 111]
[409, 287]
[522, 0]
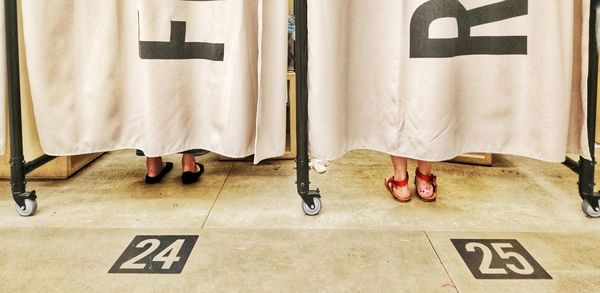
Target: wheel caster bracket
[25, 203]
[309, 198]
[591, 206]
[311, 202]
[21, 197]
[595, 201]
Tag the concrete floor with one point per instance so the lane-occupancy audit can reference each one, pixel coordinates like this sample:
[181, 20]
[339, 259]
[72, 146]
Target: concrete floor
[254, 237]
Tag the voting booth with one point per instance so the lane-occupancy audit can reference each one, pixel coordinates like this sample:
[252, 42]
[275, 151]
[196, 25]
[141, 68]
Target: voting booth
[424, 79]
[433, 79]
[158, 76]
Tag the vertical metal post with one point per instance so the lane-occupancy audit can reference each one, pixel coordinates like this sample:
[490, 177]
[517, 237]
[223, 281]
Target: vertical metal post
[586, 175]
[302, 96]
[311, 198]
[17, 160]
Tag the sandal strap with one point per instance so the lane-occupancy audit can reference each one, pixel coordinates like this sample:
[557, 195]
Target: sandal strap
[399, 183]
[429, 178]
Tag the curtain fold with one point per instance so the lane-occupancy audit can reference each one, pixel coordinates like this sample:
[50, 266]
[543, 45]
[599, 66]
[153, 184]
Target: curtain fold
[271, 108]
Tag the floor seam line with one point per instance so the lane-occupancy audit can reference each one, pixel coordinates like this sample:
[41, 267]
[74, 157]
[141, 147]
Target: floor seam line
[218, 195]
[441, 262]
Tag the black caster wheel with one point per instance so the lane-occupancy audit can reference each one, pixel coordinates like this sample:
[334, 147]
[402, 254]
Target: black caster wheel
[28, 209]
[589, 210]
[314, 210]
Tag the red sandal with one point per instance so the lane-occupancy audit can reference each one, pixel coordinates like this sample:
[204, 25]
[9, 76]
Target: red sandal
[390, 183]
[429, 178]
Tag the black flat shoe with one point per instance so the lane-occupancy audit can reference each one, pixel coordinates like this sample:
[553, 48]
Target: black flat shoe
[191, 177]
[159, 177]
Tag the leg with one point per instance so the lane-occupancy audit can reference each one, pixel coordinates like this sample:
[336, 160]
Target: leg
[425, 188]
[400, 165]
[154, 166]
[191, 170]
[157, 169]
[188, 163]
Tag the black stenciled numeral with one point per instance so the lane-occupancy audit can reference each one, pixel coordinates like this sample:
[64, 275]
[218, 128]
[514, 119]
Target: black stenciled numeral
[178, 48]
[422, 46]
[147, 254]
[499, 259]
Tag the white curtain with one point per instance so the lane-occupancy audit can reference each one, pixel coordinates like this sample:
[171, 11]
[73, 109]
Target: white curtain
[433, 79]
[163, 76]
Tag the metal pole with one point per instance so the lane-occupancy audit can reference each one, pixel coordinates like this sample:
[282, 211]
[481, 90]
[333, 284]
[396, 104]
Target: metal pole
[311, 198]
[38, 162]
[586, 178]
[302, 96]
[17, 161]
[572, 164]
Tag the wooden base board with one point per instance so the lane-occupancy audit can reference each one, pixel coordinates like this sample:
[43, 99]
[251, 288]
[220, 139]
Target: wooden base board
[290, 140]
[59, 168]
[483, 159]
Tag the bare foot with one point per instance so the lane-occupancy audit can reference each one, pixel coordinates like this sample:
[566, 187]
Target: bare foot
[425, 188]
[401, 193]
[399, 188]
[188, 163]
[154, 166]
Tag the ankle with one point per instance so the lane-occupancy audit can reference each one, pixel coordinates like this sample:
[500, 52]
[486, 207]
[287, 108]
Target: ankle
[189, 164]
[400, 175]
[153, 164]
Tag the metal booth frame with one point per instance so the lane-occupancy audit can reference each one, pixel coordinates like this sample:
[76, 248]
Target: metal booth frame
[26, 201]
[585, 168]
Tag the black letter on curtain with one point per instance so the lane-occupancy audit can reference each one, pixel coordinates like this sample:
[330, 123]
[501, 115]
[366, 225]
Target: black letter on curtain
[178, 48]
[421, 46]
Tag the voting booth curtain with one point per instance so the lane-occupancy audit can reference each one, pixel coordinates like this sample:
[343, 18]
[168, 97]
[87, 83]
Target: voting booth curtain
[433, 79]
[162, 76]
[426, 79]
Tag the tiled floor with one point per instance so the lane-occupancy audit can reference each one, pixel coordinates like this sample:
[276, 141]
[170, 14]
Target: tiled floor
[254, 237]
